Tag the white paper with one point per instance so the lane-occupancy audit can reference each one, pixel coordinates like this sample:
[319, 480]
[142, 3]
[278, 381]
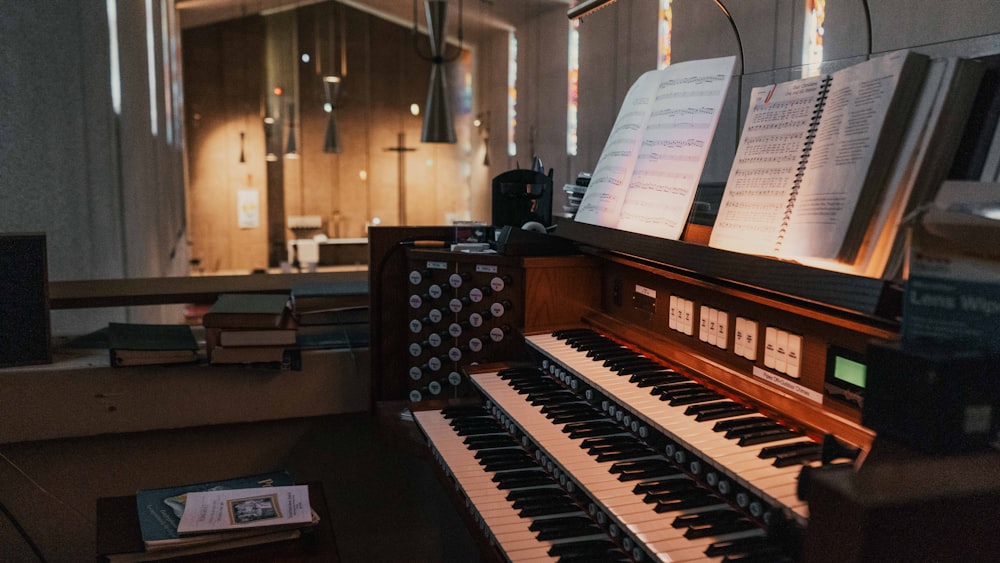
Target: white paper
[237, 509]
[646, 178]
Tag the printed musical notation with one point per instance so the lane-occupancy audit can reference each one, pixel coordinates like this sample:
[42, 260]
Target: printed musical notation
[658, 145]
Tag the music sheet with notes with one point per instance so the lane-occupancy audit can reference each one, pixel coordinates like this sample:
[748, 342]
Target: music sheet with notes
[646, 177]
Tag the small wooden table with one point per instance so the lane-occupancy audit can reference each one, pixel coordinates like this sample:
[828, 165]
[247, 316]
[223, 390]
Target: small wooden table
[118, 532]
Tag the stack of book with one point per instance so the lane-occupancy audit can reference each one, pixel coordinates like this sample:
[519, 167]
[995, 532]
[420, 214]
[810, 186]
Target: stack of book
[250, 328]
[213, 517]
[133, 344]
[323, 321]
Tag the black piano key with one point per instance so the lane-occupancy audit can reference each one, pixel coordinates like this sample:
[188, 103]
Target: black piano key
[679, 493]
[706, 517]
[629, 367]
[583, 547]
[560, 522]
[666, 391]
[478, 430]
[579, 417]
[610, 353]
[499, 454]
[520, 373]
[650, 378]
[797, 447]
[518, 479]
[582, 425]
[463, 410]
[555, 399]
[624, 454]
[798, 458]
[763, 426]
[656, 463]
[562, 334]
[646, 473]
[625, 360]
[725, 406]
[722, 414]
[569, 532]
[550, 491]
[663, 506]
[768, 436]
[663, 484]
[615, 440]
[502, 454]
[506, 465]
[693, 398]
[763, 555]
[737, 546]
[607, 346]
[584, 344]
[532, 502]
[725, 425]
[625, 447]
[547, 509]
[488, 441]
[596, 430]
[566, 408]
[719, 528]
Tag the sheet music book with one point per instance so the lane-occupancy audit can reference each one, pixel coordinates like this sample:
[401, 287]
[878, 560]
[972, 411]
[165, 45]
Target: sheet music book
[646, 177]
[814, 158]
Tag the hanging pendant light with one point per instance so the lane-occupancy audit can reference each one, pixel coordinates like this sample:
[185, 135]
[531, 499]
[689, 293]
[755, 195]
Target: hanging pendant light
[438, 125]
[331, 91]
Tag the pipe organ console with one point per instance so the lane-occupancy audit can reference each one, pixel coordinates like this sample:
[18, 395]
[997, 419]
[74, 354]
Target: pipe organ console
[644, 406]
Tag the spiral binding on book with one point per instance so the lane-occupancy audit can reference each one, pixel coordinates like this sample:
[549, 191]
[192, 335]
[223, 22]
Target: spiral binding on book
[800, 171]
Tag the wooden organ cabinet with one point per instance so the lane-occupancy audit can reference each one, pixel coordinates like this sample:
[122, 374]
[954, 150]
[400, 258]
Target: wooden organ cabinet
[650, 400]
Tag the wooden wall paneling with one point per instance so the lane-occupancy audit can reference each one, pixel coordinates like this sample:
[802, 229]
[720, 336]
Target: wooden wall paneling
[422, 164]
[318, 168]
[222, 93]
[353, 205]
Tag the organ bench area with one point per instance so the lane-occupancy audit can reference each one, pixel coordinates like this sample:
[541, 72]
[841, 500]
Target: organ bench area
[663, 414]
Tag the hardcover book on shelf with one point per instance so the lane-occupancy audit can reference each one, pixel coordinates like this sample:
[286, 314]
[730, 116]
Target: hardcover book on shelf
[315, 297]
[646, 177]
[282, 356]
[247, 310]
[827, 165]
[136, 344]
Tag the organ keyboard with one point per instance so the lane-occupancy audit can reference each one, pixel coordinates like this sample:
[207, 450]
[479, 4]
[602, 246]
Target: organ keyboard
[669, 412]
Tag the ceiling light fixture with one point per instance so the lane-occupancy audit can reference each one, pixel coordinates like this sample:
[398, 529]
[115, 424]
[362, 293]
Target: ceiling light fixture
[438, 125]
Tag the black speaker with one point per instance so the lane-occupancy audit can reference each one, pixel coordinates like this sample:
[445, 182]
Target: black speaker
[522, 196]
[24, 300]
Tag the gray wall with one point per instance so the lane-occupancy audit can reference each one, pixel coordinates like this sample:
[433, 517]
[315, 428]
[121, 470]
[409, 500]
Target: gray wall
[108, 193]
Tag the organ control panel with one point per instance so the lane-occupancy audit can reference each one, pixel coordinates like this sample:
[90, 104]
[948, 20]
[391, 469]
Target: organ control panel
[461, 312]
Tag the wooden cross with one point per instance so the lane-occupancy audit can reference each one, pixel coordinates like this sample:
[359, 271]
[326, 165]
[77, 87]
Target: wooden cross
[402, 149]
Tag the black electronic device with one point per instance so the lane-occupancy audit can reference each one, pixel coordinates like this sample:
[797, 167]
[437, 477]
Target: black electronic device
[25, 332]
[934, 400]
[514, 241]
[521, 197]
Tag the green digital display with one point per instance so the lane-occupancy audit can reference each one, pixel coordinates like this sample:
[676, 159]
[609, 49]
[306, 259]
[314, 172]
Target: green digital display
[850, 371]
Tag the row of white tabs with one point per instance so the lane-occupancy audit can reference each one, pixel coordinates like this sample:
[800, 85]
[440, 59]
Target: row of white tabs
[782, 349]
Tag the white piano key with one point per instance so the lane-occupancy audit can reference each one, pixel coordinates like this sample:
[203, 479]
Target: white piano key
[695, 437]
[614, 497]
